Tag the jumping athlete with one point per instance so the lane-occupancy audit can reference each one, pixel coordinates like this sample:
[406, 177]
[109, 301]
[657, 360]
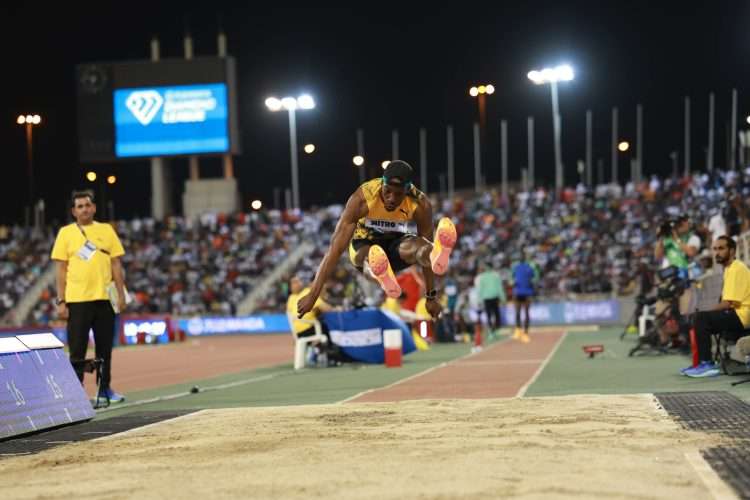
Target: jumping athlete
[376, 226]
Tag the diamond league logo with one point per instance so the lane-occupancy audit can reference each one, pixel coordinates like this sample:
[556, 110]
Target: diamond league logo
[144, 105]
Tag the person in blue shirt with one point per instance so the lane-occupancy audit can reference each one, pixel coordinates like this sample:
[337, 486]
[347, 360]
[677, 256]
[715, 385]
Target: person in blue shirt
[524, 277]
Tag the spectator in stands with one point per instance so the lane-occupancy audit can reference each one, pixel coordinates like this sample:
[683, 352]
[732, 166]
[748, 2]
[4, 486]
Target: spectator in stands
[88, 254]
[731, 316]
[492, 294]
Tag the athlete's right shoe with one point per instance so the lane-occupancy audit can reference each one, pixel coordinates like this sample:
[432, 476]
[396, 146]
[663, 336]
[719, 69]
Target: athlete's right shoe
[381, 270]
[445, 240]
[517, 333]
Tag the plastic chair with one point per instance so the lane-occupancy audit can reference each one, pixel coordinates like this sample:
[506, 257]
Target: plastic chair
[301, 343]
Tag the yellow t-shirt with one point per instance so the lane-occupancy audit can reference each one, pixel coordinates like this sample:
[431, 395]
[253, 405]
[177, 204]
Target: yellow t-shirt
[379, 222]
[87, 280]
[291, 309]
[737, 289]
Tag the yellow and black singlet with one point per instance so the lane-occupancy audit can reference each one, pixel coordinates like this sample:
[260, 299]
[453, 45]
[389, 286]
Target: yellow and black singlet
[379, 223]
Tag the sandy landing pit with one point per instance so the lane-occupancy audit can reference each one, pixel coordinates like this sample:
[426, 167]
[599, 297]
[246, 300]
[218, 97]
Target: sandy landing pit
[574, 446]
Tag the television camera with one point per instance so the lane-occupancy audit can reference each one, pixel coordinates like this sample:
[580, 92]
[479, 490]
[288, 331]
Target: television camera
[654, 329]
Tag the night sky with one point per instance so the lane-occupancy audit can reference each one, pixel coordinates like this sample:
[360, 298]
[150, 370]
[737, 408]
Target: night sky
[380, 69]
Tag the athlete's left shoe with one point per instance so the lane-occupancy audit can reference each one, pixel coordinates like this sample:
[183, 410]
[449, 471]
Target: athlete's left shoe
[381, 269]
[445, 240]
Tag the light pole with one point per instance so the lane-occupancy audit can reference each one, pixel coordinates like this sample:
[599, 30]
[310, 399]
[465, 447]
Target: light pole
[29, 121]
[480, 92]
[291, 104]
[562, 73]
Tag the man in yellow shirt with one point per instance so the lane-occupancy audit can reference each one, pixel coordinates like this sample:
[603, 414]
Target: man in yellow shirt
[730, 316]
[302, 328]
[87, 254]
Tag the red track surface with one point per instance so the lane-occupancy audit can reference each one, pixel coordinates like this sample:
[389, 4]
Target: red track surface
[499, 371]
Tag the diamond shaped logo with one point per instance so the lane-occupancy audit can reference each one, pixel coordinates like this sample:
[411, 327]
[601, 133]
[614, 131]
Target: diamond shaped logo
[144, 105]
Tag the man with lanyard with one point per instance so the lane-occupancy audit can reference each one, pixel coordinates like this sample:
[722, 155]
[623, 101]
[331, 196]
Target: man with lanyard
[730, 316]
[88, 254]
[375, 227]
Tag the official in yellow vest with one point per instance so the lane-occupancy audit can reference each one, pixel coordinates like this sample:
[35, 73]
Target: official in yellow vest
[87, 254]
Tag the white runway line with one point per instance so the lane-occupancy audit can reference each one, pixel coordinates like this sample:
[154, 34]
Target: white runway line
[425, 372]
[522, 390]
[178, 395]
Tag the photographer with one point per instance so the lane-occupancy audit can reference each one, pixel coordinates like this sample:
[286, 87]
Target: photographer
[676, 246]
[730, 316]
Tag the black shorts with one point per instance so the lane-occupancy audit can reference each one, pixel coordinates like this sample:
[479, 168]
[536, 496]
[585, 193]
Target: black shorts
[390, 245]
[522, 297]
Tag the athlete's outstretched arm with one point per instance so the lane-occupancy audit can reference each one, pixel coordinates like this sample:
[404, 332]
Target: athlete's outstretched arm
[423, 218]
[356, 208]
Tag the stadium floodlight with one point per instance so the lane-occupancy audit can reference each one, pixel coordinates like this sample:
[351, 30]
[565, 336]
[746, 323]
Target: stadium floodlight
[29, 121]
[256, 204]
[91, 176]
[385, 164]
[273, 104]
[473, 91]
[111, 179]
[291, 104]
[358, 160]
[623, 146]
[561, 73]
[305, 102]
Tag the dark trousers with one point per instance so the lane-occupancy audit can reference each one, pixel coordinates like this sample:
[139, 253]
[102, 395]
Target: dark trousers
[492, 308]
[710, 322]
[98, 316]
[522, 303]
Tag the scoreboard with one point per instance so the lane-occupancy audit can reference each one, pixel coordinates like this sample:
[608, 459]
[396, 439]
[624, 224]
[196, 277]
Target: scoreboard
[171, 107]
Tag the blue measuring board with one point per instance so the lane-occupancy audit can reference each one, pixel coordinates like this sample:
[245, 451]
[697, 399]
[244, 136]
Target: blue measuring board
[38, 387]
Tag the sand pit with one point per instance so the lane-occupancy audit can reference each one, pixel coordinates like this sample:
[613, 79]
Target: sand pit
[575, 446]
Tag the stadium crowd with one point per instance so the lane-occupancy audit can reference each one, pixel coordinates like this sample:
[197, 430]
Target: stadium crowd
[585, 241]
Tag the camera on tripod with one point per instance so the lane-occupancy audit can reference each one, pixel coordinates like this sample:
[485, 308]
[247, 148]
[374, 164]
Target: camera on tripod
[671, 284]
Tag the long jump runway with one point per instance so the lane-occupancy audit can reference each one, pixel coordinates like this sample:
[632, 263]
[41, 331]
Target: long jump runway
[502, 370]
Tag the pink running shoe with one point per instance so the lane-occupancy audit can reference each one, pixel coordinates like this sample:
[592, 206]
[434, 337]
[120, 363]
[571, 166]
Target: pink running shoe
[445, 240]
[381, 269]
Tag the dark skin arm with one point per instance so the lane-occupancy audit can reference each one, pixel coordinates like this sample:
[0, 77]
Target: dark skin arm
[356, 208]
[423, 218]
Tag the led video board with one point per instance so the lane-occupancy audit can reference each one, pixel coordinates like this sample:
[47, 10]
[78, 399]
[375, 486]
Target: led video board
[144, 109]
[162, 121]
